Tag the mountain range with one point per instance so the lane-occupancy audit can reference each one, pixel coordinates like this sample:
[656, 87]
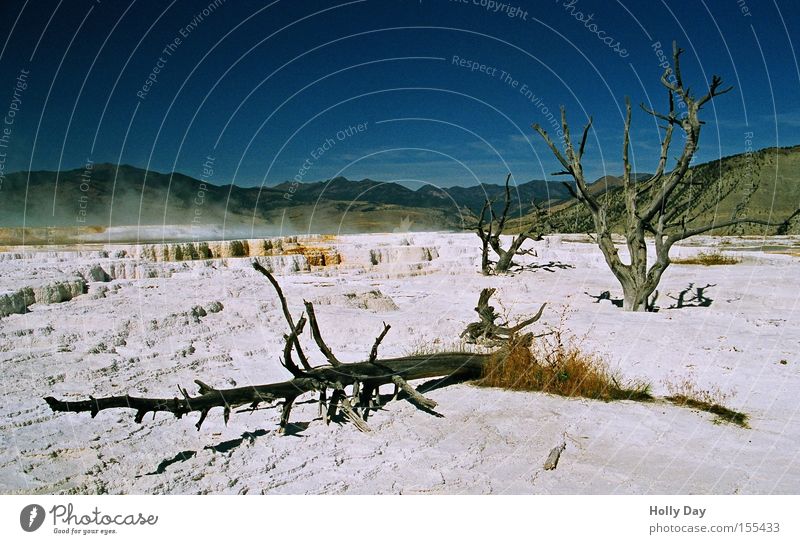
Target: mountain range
[762, 184]
[107, 195]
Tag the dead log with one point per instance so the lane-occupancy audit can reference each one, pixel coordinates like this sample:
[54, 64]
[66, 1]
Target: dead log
[318, 379]
[488, 331]
[335, 376]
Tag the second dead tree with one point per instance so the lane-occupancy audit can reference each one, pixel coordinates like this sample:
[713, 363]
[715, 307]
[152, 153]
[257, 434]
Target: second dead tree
[490, 232]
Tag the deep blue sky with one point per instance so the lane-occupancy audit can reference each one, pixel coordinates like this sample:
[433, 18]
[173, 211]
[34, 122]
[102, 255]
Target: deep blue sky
[260, 88]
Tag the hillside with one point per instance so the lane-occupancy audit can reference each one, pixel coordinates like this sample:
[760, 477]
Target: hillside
[762, 185]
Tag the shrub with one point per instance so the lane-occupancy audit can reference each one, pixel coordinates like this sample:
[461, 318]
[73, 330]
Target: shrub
[708, 259]
[686, 393]
[551, 365]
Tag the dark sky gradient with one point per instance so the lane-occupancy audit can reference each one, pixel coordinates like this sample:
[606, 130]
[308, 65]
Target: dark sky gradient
[260, 88]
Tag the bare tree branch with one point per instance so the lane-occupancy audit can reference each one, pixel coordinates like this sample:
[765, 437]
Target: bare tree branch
[626, 144]
[583, 138]
[291, 338]
[713, 91]
[665, 142]
[506, 205]
[373, 354]
[414, 396]
[689, 232]
[286, 313]
[546, 137]
[323, 347]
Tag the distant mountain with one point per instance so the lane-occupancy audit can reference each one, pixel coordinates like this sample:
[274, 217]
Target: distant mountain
[473, 197]
[609, 183]
[764, 184]
[106, 195]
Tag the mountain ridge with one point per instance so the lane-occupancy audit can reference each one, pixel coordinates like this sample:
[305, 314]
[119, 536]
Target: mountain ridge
[764, 183]
[115, 195]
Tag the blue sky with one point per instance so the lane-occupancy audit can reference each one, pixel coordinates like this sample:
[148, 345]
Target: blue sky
[385, 90]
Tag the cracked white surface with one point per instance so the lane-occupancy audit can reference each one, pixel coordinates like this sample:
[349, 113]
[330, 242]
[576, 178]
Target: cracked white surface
[141, 333]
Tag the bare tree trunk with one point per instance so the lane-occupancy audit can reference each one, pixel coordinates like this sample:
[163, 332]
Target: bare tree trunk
[486, 265]
[635, 298]
[485, 234]
[635, 290]
[504, 262]
[652, 207]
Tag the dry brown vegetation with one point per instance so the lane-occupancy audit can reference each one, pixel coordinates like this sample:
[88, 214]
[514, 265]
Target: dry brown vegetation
[686, 393]
[422, 346]
[707, 259]
[559, 367]
[553, 365]
[723, 414]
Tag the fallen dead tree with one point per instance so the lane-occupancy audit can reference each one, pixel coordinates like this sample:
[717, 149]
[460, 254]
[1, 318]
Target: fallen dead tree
[363, 378]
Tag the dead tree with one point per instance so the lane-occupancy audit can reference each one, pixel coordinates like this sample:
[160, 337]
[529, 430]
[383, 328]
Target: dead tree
[487, 331]
[653, 205]
[363, 378]
[490, 233]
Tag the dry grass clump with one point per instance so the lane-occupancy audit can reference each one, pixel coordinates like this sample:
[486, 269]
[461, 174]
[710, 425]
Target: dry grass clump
[552, 365]
[422, 347]
[707, 259]
[686, 393]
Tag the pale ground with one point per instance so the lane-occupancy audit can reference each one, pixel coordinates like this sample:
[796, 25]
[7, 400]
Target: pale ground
[137, 334]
